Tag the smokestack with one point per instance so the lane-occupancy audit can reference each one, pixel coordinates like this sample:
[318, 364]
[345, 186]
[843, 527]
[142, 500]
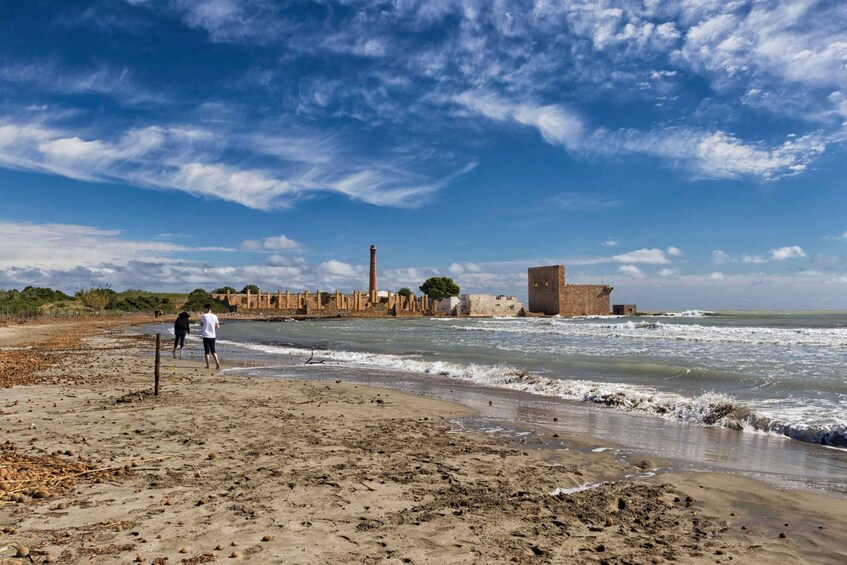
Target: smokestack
[372, 285]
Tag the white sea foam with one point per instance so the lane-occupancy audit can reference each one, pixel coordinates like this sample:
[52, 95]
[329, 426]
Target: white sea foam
[576, 489]
[713, 409]
[662, 331]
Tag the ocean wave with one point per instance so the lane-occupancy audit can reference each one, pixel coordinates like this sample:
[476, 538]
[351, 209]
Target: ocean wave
[710, 409]
[665, 331]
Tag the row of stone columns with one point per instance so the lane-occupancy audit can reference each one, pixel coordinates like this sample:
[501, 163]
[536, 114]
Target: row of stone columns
[357, 301]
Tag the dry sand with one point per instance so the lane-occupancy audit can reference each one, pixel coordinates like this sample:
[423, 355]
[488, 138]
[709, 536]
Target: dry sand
[236, 469]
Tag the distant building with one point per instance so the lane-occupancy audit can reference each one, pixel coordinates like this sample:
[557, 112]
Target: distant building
[548, 294]
[624, 310]
[490, 305]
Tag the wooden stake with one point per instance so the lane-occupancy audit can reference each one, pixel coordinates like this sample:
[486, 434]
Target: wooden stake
[156, 370]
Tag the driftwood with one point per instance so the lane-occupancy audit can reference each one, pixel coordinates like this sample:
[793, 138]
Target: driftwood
[310, 361]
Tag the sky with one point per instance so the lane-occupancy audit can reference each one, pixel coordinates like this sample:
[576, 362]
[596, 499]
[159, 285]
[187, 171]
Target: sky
[690, 153]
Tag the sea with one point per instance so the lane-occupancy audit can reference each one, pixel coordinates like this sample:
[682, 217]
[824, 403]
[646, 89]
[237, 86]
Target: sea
[759, 393]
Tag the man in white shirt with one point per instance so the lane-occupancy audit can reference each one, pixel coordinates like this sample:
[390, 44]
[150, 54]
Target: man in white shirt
[209, 323]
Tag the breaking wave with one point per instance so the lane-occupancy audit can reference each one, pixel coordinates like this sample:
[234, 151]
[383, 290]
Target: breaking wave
[710, 409]
[665, 331]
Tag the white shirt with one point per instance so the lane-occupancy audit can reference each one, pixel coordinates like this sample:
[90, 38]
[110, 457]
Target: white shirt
[208, 322]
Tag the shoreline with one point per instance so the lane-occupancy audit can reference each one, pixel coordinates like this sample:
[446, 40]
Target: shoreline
[376, 476]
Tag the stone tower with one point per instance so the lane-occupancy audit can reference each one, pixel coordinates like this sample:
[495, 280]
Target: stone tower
[372, 284]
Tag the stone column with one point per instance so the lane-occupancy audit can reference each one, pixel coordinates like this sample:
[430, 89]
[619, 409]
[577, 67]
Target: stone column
[287, 299]
[279, 299]
[248, 298]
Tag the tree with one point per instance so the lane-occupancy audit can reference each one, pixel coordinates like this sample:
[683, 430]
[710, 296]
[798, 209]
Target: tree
[224, 290]
[251, 288]
[405, 291]
[439, 288]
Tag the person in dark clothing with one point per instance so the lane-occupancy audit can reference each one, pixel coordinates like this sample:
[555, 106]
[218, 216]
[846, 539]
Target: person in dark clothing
[181, 329]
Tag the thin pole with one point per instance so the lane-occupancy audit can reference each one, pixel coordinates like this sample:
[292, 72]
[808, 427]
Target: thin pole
[156, 370]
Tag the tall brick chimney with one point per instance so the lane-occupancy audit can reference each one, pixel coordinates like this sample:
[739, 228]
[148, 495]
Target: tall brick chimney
[372, 285]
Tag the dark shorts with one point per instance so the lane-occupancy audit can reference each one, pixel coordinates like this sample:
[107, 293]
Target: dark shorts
[179, 340]
[209, 345]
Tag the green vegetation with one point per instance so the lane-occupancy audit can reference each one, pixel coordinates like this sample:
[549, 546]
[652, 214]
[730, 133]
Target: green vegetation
[96, 298]
[198, 298]
[251, 288]
[31, 299]
[438, 288]
[224, 290]
[143, 301]
[405, 291]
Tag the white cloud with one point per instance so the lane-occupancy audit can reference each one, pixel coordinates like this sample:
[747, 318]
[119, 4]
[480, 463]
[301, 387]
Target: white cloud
[67, 246]
[275, 243]
[674, 251]
[668, 272]
[188, 159]
[719, 257]
[643, 256]
[610, 243]
[753, 259]
[789, 252]
[716, 276]
[631, 270]
[556, 125]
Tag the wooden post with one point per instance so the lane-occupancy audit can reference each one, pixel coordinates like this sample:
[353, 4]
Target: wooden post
[156, 369]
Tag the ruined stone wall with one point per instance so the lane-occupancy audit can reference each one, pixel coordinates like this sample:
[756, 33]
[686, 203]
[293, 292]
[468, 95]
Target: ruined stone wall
[490, 305]
[323, 304]
[624, 310]
[585, 300]
[545, 285]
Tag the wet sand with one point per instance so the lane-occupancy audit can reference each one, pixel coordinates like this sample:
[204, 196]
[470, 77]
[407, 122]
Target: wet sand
[232, 469]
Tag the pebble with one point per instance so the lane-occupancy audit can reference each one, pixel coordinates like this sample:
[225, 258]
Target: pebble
[213, 455]
[184, 550]
[23, 551]
[610, 521]
[218, 547]
[267, 538]
[139, 558]
[783, 535]
[234, 554]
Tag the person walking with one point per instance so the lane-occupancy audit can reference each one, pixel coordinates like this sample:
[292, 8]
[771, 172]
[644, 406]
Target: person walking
[209, 323]
[182, 328]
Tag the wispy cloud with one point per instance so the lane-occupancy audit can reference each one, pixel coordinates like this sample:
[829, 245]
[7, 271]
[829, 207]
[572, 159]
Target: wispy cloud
[190, 159]
[273, 243]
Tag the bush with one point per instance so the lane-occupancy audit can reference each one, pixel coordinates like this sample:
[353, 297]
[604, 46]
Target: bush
[224, 290]
[251, 288]
[96, 298]
[30, 299]
[198, 298]
[405, 291]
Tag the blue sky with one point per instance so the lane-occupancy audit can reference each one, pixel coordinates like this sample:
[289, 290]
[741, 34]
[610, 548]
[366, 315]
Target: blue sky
[690, 152]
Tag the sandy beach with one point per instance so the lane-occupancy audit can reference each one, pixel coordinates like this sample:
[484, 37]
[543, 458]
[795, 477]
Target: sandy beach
[94, 469]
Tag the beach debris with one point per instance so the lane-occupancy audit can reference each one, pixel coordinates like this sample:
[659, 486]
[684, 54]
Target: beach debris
[25, 477]
[311, 360]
